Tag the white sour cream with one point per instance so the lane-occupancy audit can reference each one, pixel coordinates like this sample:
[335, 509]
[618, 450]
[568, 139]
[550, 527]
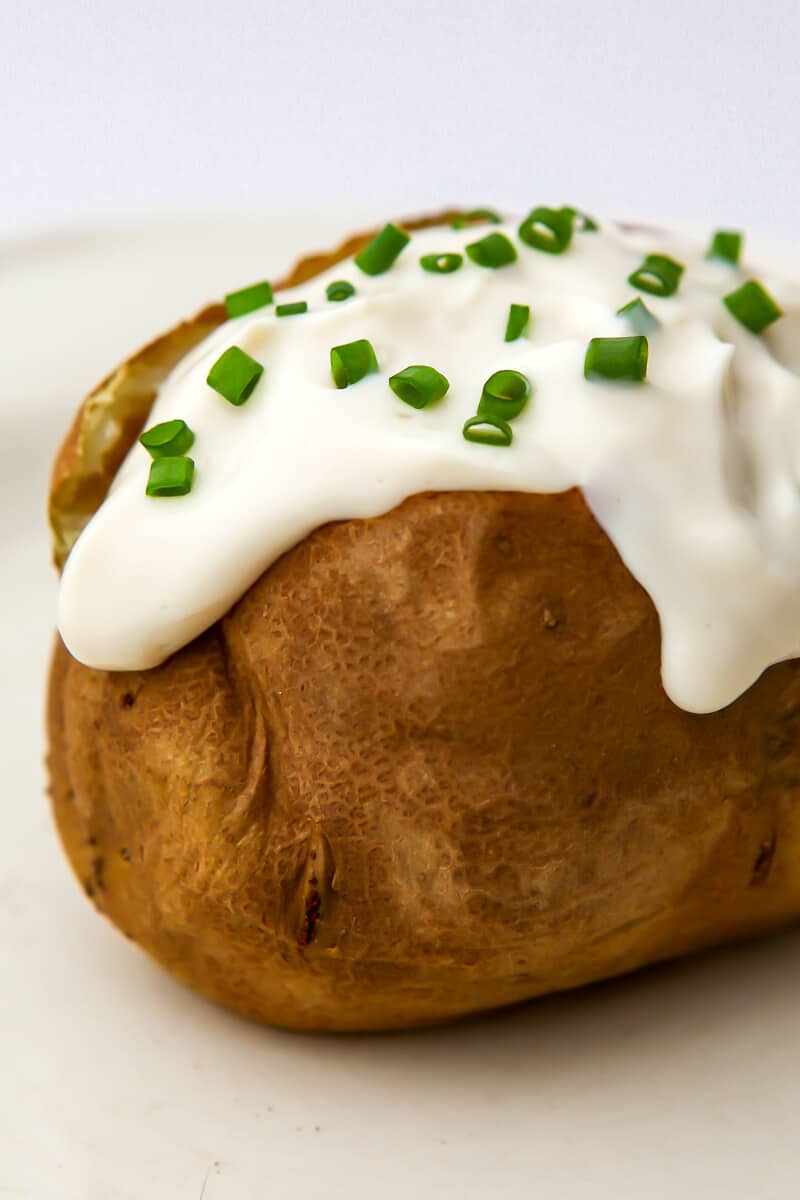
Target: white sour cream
[693, 474]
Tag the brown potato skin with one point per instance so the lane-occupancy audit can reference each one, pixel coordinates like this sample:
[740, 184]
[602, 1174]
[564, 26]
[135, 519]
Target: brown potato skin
[425, 767]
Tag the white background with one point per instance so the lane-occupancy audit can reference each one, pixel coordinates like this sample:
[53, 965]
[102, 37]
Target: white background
[148, 154]
[686, 107]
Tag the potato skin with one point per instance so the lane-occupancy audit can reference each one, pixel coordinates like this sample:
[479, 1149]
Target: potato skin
[425, 767]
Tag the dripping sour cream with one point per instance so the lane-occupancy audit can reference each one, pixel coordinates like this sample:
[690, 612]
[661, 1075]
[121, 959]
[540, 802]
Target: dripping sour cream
[693, 474]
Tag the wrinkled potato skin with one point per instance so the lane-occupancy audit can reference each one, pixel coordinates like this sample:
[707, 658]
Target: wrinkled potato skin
[425, 767]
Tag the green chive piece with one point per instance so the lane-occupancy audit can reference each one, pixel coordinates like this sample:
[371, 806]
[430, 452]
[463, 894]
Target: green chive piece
[379, 254]
[753, 306]
[548, 229]
[478, 216]
[171, 476]
[340, 289]
[168, 439]
[291, 310]
[616, 358]
[441, 264]
[581, 220]
[658, 275]
[234, 375]
[519, 316]
[504, 395]
[727, 245]
[352, 362]
[419, 386]
[248, 299]
[638, 315]
[494, 250]
[488, 431]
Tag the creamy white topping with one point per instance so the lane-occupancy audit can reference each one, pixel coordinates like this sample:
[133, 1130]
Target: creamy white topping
[693, 474]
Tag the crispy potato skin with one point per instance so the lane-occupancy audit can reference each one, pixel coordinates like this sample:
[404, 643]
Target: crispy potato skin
[425, 767]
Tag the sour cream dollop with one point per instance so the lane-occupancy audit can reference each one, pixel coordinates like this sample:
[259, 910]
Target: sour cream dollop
[694, 474]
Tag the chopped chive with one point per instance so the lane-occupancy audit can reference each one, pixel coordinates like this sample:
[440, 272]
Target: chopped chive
[234, 375]
[340, 289]
[488, 431]
[581, 220]
[478, 216]
[548, 229]
[291, 310]
[441, 264]
[727, 245]
[638, 315]
[504, 395]
[519, 316]
[379, 254]
[352, 362]
[494, 250]
[753, 306]
[170, 476]
[168, 439]
[419, 386]
[616, 358]
[658, 275]
[248, 299]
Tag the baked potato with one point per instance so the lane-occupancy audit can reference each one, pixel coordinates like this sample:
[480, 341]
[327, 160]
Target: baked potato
[423, 768]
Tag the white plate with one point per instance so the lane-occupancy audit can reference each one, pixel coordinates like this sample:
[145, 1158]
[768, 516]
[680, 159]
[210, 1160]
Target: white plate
[117, 1084]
